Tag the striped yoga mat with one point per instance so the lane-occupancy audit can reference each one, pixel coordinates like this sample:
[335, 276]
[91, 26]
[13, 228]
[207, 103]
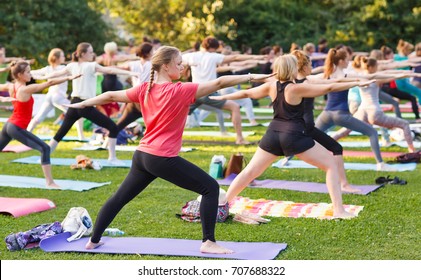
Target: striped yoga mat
[289, 209]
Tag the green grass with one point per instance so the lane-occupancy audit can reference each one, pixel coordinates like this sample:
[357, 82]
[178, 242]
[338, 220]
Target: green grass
[389, 227]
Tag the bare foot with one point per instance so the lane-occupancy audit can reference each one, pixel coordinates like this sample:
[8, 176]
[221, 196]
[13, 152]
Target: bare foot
[225, 133]
[53, 185]
[343, 215]
[242, 142]
[213, 248]
[349, 189]
[90, 245]
[253, 122]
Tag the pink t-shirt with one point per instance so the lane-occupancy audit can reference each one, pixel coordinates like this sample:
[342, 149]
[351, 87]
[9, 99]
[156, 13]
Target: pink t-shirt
[164, 115]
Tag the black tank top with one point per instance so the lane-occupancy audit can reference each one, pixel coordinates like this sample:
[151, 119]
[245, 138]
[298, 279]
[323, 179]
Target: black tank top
[286, 117]
[308, 108]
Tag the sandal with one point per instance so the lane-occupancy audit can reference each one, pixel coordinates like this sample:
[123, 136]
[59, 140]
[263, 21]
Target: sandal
[388, 180]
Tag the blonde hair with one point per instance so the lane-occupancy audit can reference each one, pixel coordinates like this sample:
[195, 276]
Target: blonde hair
[368, 62]
[110, 47]
[163, 55]
[404, 46]
[303, 59]
[377, 54]
[286, 67]
[54, 55]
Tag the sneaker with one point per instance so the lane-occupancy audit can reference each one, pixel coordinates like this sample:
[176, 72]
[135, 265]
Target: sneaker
[116, 162]
[385, 144]
[285, 161]
[381, 166]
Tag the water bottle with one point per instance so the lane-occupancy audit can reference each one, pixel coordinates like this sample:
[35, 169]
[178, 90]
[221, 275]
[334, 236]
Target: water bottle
[113, 232]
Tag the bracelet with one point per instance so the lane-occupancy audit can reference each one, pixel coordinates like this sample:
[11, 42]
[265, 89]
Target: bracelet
[249, 78]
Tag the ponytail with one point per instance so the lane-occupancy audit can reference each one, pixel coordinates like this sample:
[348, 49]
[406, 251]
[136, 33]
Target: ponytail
[150, 84]
[332, 60]
[356, 63]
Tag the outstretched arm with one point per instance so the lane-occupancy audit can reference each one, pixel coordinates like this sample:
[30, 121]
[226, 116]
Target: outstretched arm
[7, 99]
[24, 93]
[114, 70]
[305, 90]
[227, 81]
[256, 93]
[106, 97]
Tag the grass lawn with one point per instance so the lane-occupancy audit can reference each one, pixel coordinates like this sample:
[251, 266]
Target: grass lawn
[389, 227]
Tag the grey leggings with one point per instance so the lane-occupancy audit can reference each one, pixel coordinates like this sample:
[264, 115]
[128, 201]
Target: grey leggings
[373, 116]
[11, 131]
[327, 119]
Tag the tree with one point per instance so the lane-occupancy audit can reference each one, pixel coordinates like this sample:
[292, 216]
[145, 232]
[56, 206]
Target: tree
[31, 28]
[174, 22]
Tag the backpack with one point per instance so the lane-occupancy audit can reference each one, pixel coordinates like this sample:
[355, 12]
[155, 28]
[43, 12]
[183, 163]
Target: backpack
[78, 223]
[409, 157]
[190, 212]
[31, 238]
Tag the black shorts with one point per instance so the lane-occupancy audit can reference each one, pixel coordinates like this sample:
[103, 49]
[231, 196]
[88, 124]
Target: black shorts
[289, 143]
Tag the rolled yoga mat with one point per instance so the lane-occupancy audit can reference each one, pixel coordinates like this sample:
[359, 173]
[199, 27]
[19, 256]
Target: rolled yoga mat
[163, 247]
[18, 207]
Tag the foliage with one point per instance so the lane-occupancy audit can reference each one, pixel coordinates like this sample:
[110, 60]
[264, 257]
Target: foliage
[31, 28]
[174, 22]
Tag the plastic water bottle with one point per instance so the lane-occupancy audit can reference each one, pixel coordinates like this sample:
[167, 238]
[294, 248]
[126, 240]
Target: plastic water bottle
[113, 232]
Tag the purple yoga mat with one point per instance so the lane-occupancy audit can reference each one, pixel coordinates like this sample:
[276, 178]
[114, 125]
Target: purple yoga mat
[163, 246]
[297, 186]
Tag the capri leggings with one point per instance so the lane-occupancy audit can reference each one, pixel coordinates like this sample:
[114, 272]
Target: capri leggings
[130, 114]
[328, 119]
[89, 113]
[146, 168]
[11, 131]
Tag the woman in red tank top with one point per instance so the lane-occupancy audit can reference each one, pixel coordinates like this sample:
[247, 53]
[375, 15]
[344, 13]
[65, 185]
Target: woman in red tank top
[15, 127]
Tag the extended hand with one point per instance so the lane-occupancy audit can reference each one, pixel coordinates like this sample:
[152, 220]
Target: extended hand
[366, 83]
[260, 77]
[7, 99]
[75, 105]
[217, 97]
[75, 77]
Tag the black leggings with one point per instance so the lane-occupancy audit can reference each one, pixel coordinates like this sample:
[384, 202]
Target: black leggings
[401, 95]
[130, 114]
[90, 113]
[11, 131]
[146, 168]
[325, 140]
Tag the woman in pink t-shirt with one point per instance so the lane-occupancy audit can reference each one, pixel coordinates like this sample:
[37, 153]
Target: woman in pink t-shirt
[16, 125]
[164, 107]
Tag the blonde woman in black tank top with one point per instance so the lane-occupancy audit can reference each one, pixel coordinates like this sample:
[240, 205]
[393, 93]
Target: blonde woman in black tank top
[285, 135]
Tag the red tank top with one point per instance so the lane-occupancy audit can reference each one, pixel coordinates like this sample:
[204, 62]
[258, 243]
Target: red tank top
[22, 111]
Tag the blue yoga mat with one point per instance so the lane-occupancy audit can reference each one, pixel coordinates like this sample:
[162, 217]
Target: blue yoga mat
[163, 247]
[33, 182]
[69, 161]
[348, 165]
[65, 138]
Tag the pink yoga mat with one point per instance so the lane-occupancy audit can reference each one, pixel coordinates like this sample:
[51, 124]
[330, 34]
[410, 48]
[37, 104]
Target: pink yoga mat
[16, 148]
[369, 154]
[24, 206]
[163, 246]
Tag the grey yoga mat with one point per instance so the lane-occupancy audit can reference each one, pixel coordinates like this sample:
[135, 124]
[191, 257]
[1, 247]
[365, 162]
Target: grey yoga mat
[163, 246]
